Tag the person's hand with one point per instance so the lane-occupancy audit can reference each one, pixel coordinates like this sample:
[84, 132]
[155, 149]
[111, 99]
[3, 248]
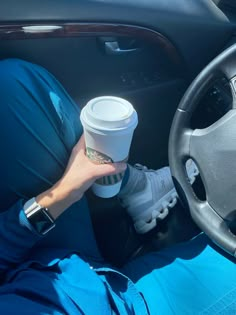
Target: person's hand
[79, 175]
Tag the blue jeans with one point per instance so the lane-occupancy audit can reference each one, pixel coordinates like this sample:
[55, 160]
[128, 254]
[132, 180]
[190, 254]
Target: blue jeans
[39, 127]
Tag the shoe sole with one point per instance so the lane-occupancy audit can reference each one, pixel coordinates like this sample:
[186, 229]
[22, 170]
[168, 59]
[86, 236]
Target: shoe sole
[161, 210]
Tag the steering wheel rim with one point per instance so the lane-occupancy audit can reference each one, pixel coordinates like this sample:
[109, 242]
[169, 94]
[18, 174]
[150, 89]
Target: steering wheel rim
[213, 151]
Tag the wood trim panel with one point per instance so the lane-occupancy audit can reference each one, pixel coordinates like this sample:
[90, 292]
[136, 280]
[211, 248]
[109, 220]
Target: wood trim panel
[33, 31]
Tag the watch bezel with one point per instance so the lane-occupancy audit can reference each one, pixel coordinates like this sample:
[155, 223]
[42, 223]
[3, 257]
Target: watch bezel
[38, 215]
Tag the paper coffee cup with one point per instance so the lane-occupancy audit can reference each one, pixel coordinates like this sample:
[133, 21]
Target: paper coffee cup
[109, 123]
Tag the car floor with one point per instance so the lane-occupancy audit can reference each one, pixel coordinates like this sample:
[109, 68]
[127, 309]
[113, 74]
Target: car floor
[118, 240]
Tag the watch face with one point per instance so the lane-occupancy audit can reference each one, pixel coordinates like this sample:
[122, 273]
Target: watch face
[41, 222]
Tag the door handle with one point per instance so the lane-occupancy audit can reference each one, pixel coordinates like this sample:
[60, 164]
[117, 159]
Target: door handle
[113, 48]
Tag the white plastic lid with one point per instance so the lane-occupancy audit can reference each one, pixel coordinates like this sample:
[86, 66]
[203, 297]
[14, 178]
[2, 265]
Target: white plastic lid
[109, 113]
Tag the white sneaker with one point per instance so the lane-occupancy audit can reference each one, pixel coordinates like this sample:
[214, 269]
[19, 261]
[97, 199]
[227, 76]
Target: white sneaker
[158, 195]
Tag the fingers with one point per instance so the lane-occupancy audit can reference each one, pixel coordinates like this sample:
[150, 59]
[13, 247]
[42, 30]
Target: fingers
[110, 169]
[98, 170]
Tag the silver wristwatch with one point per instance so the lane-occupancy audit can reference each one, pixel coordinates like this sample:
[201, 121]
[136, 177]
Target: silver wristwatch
[38, 217]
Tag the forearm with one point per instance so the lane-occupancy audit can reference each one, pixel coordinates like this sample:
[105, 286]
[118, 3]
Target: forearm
[57, 199]
[79, 175]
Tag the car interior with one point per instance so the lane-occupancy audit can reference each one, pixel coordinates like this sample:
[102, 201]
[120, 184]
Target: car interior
[148, 52]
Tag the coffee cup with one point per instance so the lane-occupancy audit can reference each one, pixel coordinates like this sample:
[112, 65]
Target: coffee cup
[109, 123]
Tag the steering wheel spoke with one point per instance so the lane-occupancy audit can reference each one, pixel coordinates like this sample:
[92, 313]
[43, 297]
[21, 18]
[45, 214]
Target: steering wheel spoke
[214, 150]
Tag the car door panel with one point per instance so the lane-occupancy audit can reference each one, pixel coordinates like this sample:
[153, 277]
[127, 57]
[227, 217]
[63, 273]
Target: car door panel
[198, 28]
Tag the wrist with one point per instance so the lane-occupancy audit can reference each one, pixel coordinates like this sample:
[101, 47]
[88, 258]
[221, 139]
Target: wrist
[57, 199]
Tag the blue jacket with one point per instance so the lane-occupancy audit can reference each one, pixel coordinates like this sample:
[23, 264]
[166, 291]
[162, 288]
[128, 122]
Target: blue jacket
[57, 281]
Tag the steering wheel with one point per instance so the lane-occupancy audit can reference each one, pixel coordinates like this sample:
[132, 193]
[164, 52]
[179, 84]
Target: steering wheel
[214, 151]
